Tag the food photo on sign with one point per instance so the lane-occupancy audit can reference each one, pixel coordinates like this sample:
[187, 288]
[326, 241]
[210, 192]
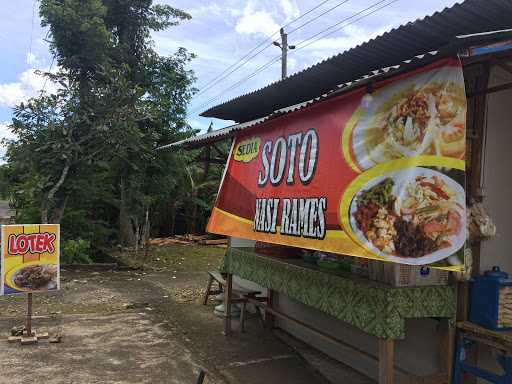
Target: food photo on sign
[30, 258]
[376, 173]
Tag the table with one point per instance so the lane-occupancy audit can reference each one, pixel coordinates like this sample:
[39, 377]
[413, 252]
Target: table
[468, 334]
[375, 308]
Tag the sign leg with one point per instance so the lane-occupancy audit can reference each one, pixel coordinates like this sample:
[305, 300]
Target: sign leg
[29, 315]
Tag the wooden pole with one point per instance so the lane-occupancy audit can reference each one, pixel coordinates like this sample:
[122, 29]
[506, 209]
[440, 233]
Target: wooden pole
[228, 291]
[29, 315]
[386, 361]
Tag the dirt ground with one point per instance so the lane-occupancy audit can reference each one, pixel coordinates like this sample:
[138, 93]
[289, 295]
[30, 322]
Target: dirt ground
[143, 326]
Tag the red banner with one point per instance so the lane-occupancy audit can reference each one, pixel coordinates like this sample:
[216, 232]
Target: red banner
[376, 174]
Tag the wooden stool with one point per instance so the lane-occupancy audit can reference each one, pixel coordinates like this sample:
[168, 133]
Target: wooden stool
[241, 295]
[213, 276]
[469, 333]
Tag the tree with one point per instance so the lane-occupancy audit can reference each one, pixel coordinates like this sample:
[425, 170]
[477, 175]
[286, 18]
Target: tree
[86, 157]
[123, 86]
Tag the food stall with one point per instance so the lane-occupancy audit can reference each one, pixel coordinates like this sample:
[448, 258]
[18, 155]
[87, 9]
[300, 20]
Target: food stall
[365, 180]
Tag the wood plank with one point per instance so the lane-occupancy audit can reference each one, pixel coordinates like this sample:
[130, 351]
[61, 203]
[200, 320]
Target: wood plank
[386, 361]
[227, 304]
[505, 338]
[269, 317]
[446, 347]
[214, 242]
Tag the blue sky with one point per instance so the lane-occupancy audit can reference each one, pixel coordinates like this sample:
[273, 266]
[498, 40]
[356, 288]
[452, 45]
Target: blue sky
[220, 33]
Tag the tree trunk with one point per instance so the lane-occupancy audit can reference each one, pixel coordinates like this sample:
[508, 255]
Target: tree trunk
[58, 212]
[172, 219]
[126, 232]
[45, 204]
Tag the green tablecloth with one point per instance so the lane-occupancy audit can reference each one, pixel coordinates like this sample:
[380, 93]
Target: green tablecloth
[375, 308]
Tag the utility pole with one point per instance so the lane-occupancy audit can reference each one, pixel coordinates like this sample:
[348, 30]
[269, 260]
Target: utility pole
[284, 52]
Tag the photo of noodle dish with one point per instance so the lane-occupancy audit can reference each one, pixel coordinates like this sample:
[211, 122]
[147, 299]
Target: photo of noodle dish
[413, 216]
[417, 116]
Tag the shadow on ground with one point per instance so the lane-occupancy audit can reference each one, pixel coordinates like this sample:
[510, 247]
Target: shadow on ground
[143, 327]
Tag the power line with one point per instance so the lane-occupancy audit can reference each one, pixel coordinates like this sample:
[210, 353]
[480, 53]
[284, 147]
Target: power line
[318, 16]
[322, 33]
[305, 14]
[247, 57]
[310, 40]
[29, 56]
[46, 78]
[258, 70]
[219, 78]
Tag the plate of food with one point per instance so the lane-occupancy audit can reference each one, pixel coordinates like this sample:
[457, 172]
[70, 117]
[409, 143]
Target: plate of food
[33, 277]
[421, 115]
[411, 216]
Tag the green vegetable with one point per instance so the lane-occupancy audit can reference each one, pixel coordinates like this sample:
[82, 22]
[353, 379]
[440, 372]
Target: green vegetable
[429, 209]
[380, 194]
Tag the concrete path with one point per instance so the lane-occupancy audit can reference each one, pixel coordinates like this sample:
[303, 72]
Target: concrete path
[130, 327]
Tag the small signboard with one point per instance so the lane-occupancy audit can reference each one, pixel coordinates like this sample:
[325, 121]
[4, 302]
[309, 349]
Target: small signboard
[30, 258]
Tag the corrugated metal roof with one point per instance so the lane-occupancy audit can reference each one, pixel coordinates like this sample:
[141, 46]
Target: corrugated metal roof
[213, 136]
[220, 134]
[414, 38]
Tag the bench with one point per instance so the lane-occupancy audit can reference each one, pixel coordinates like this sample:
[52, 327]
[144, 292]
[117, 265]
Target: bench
[470, 334]
[242, 295]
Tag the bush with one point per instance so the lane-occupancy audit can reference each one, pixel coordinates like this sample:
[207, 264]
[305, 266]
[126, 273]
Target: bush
[76, 252]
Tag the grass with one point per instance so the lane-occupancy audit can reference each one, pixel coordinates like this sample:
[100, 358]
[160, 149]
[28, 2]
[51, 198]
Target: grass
[185, 257]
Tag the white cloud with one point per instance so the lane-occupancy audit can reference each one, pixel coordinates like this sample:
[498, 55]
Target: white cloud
[5, 133]
[290, 9]
[209, 10]
[28, 85]
[31, 58]
[11, 94]
[255, 21]
[352, 36]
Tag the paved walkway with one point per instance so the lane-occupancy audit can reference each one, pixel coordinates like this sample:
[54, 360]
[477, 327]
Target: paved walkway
[129, 327]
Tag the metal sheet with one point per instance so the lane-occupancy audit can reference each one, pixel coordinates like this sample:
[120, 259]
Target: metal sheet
[406, 41]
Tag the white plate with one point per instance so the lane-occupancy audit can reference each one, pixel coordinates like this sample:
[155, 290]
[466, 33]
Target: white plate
[447, 74]
[401, 179]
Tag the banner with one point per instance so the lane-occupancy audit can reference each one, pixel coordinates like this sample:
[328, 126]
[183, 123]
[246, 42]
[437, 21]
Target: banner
[378, 173]
[30, 258]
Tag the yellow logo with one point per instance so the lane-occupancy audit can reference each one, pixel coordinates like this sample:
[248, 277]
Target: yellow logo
[247, 150]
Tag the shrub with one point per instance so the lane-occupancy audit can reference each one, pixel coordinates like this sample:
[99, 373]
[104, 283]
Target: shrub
[76, 252]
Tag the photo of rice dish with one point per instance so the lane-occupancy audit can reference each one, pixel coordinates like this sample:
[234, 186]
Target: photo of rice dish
[411, 216]
[36, 277]
[411, 119]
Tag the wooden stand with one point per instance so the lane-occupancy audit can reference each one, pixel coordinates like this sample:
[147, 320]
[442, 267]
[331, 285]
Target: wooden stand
[29, 336]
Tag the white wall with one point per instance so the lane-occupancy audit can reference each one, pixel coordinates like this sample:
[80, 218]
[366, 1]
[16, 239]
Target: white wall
[497, 183]
[417, 354]
[497, 173]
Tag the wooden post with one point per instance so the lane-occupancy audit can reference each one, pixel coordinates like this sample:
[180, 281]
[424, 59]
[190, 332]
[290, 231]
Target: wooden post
[446, 347]
[477, 82]
[227, 304]
[29, 315]
[269, 317]
[208, 289]
[386, 361]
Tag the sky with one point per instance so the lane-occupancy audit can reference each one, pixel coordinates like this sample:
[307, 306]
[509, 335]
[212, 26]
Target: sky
[220, 33]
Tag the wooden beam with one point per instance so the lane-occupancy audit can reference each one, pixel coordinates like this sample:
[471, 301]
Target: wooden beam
[446, 347]
[228, 290]
[386, 361]
[497, 88]
[506, 67]
[356, 352]
[221, 153]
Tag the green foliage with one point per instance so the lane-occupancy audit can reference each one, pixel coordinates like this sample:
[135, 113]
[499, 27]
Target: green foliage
[86, 157]
[76, 252]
